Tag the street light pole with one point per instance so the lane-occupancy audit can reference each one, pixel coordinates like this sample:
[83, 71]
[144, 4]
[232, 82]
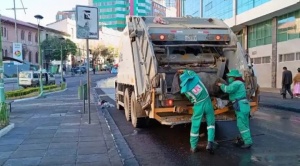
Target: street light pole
[39, 17]
[61, 61]
[2, 92]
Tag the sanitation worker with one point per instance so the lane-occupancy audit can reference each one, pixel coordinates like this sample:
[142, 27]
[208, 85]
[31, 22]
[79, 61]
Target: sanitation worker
[237, 94]
[193, 88]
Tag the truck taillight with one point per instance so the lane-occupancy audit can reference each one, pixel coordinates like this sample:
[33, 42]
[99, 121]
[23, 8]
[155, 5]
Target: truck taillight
[218, 37]
[162, 37]
[169, 103]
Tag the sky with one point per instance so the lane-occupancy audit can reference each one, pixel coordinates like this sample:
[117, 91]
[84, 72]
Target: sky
[46, 8]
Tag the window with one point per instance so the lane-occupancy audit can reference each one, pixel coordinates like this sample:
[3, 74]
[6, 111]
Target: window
[257, 60]
[266, 59]
[29, 36]
[288, 27]
[29, 56]
[36, 57]
[286, 57]
[297, 56]
[22, 35]
[245, 5]
[260, 34]
[5, 53]
[36, 37]
[35, 75]
[3, 32]
[208, 6]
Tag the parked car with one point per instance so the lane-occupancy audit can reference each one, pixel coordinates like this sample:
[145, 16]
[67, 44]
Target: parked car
[31, 78]
[78, 70]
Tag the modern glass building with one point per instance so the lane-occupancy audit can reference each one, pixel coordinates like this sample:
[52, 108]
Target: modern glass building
[112, 13]
[142, 7]
[217, 8]
[191, 8]
[268, 29]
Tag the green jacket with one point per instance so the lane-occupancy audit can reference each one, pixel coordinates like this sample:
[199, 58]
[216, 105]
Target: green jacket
[236, 90]
[192, 87]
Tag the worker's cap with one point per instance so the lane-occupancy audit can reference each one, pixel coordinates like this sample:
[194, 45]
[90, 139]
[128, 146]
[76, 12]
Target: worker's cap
[234, 73]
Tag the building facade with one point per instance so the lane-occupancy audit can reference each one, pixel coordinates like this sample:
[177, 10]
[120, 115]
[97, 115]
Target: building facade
[28, 36]
[112, 13]
[158, 9]
[268, 29]
[61, 15]
[141, 7]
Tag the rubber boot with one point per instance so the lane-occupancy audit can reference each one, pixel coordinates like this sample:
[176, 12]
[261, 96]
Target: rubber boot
[239, 142]
[245, 146]
[194, 150]
[210, 147]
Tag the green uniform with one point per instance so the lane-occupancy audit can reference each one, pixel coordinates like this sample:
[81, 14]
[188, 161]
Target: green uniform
[196, 92]
[237, 94]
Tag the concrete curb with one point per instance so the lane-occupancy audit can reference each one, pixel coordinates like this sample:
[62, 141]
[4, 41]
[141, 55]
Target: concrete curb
[279, 107]
[6, 129]
[123, 148]
[36, 97]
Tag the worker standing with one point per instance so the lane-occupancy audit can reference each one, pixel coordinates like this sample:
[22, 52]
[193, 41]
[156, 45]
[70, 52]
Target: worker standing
[196, 92]
[237, 94]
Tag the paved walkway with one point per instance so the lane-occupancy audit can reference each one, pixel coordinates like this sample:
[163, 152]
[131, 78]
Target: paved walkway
[270, 97]
[54, 131]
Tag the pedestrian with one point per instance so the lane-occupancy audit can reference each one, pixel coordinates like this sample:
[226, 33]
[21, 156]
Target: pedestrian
[237, 95]
[193, 88]
[94, 70]
[296, 80]
[287, 80]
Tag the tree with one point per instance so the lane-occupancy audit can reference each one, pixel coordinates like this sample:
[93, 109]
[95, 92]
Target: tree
[52, 48]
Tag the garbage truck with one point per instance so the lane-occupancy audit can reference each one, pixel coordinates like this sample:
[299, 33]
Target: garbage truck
[153, 50]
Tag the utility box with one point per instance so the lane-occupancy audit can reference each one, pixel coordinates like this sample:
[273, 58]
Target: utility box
[82, 92]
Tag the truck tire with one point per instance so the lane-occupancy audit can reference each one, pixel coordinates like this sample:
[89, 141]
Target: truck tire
[137, 122]
[118, 106]
[127, 104]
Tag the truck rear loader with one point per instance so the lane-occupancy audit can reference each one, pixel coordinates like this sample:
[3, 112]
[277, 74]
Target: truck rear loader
[154, 49]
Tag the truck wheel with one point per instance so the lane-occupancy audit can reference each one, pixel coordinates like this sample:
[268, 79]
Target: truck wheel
[127, 104]
[118, 106]
[135, 107]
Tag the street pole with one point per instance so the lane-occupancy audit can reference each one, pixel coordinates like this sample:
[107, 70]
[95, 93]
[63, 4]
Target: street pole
[61, 64]
[2, 92]
[39, 17]
[17, 38]
[40, 61]
[88, 79]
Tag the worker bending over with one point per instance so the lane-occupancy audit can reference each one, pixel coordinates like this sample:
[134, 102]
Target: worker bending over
[237, 94]
[197, 93]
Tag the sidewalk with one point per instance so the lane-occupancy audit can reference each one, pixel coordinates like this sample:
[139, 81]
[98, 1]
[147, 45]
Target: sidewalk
[270, 97]
[54, 131]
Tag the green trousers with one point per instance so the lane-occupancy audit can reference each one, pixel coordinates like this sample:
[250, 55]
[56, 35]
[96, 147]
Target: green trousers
[206, 108]
[243, 121]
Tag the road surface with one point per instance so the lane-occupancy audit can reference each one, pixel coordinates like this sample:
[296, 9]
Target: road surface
[162, 145]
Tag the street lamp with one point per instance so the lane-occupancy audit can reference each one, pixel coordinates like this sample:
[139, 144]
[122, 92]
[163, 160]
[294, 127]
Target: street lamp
[61, 60]
[2, 92]
[39, 18]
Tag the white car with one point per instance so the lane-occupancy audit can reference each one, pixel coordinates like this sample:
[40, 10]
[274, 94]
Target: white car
[31, 78]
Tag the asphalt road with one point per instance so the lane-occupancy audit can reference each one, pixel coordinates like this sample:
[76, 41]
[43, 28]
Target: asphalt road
[162, 145]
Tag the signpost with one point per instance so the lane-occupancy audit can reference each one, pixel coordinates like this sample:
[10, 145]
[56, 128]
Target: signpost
[87, 27]
[17, 52]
